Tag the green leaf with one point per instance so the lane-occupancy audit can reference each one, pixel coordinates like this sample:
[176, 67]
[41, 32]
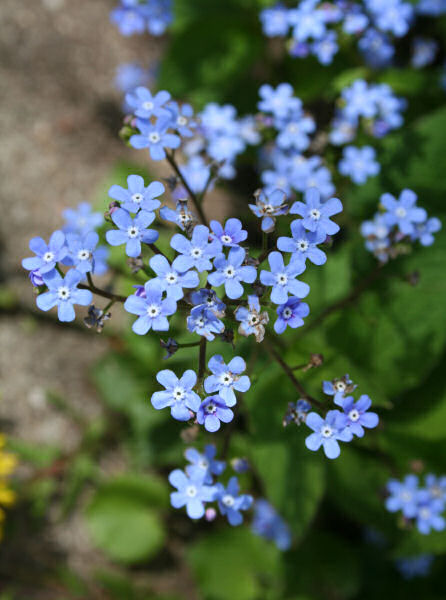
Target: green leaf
[234, 563]
[122, 521]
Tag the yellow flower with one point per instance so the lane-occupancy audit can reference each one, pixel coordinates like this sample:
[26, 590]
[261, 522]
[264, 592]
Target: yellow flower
[7, 496]
[8, 463]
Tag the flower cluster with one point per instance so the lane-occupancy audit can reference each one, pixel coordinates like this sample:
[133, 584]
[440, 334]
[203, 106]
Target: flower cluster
[373, 105]
[221, 385]
[75, 246]
[339, 425]
[316, 27]
[399, 222]
[8, 463]
[284, 166]
[137, 16]
[196, 488]
[422, 505]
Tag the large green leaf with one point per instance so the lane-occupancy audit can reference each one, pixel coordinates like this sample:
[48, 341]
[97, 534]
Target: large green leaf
[233, 563]
[123, 521]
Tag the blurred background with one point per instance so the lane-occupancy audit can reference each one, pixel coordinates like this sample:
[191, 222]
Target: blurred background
[91, 517]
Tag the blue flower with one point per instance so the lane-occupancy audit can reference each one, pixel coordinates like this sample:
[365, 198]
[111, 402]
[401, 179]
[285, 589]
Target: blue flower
[291, 314]
[360, 101]
[338, 387]
[355, 21]
[158, 14]
[100, 257]
[359, 163]
[172, 282]
[403, 496]
[209, 300]
[196, 173]
[326, 48]
[252, 321]
[230, 503]
[63, 293]
[145, 105]
[204, 322]
[436, 486]
[178, 394]
[376, 48]
[131, 232]
[280, 101]
[130, 75]
[196, 252]
[403, 212]
[203, 466]
[429, 515]
[47, 256]
[303, 244]
[357, 414]
[182, 118]
[226, 378]
[308, 22]
[269, 524]
[230, 272]
[212, 411]
[415, 566]
[377, 233]
[137, 196]
[328, 432]
[181, 215]
[293, 132]
[283, 279]
[269, 207]
[394, 16]
[81, 251]
[192, 493]
[155, 137]
[152, 310]
[275, 21]
[316, 214]
[128, 18]
[423, 231]
[232, 233]
[81, 220]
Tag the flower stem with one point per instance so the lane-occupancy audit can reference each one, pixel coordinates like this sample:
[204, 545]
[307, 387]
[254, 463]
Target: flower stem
[193, 197]
[202, 358]
[95, 290]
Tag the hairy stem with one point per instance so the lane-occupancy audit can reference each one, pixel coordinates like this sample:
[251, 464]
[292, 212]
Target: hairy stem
[202, 359]
[95, 290]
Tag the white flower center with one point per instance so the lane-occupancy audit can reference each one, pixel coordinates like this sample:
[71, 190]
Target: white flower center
[63, 292]
[315, 214]
[203, 463]
[184, 218]
[287, 313]
[228, 500]
[178, 393]
[191, 491]
[226, 239]
[171, 278]
[211, 408]
[339, 386]
[406, 496]
[229, 271]
[196, 252]
[268, 209]
[353, 415]
[226, 378]
[424, 513]
[137, 198]
[48, 257]
[293, 128]
[133, 231]
[153, 310]
[83, 254]
[253, 319]
[302, 245]
[154, 137]
[282, 279]
[181, 121]
[381, 232]
[401, 212]
[200, 322]
[148, 105]
[326, 431]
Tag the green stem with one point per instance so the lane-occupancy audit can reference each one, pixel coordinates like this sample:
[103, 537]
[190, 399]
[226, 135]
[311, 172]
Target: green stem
[193, 197]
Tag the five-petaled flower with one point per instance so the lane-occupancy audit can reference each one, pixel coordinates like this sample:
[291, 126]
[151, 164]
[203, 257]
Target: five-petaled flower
[151, 309]
[178, 395]
[131, 232]
[226, 378]
[230, 272]
[63, 293]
